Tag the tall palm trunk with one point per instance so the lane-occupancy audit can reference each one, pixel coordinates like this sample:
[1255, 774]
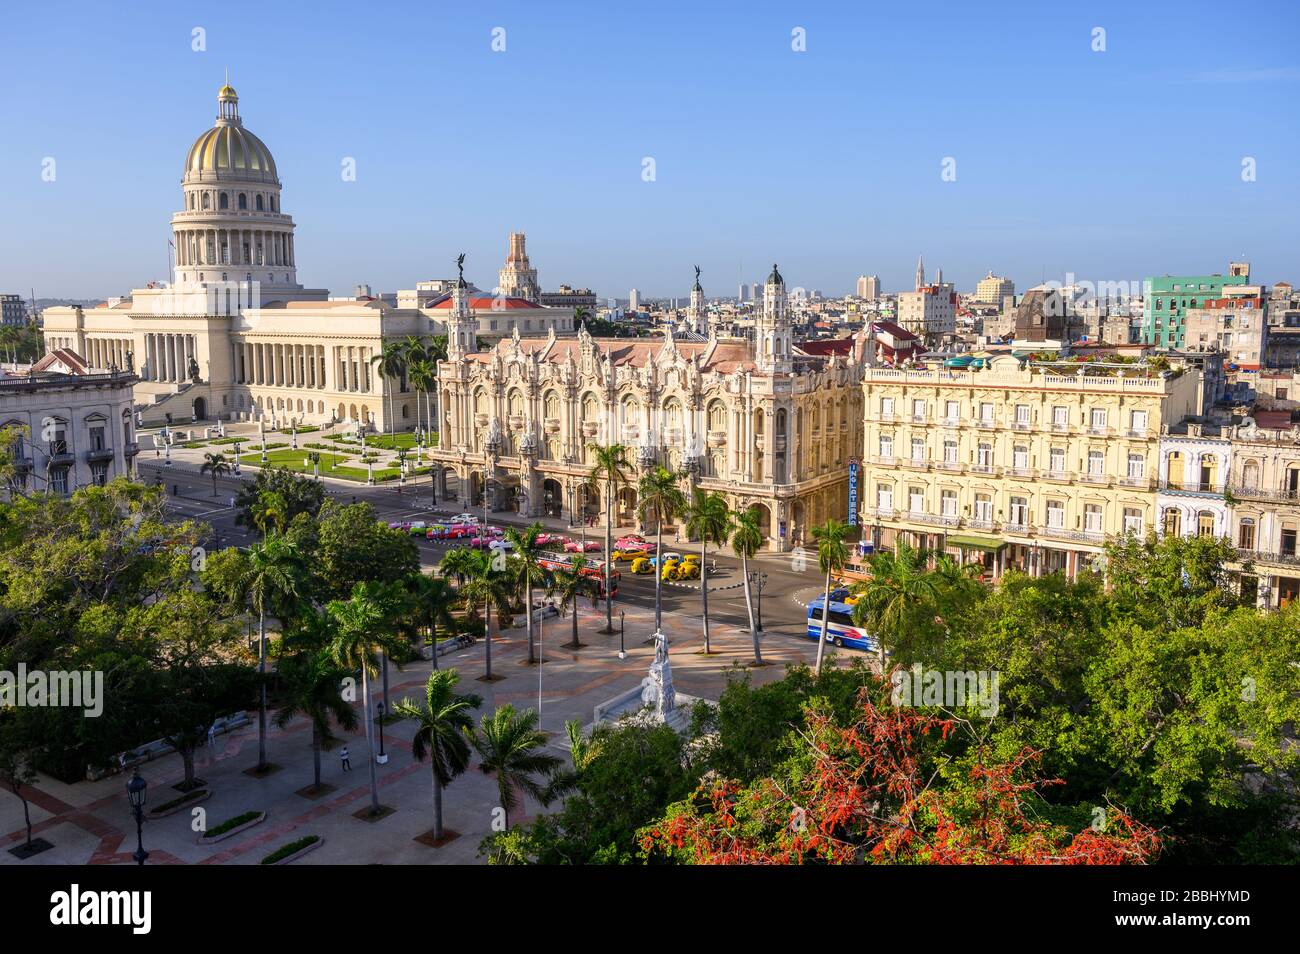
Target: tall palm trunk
[437, 810]
[609, 552]
[261, 704]
[704, 589]
[370, 741]
[315, 752]
[573, 611]
[826, 615]
[659, 568]
[487, 637]
[433, 638]
[528, 619]
[749, 608]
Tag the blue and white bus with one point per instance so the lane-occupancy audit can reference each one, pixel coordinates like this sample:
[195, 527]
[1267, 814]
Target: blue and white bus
[843, 632]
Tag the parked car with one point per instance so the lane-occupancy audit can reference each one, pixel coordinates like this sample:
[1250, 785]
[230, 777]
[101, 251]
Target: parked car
[631, 550]
[551, 539]
[573, 546]
[466, 518]
[629, 538]
[642, 565]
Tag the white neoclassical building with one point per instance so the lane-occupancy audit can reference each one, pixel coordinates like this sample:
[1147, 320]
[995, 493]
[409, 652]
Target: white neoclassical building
[235, 336]
[1195, 461]
[765, 423]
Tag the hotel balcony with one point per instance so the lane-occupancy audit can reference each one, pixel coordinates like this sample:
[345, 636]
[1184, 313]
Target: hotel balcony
[1098, 430]
[986, 425]
[915, 463]
[1074, 536]
[884, 461]
[1021, 426]
[717, 438]
[1263, 493]
[951, 466]
[951, 422]
[985, 469]
[131, 449]
[1142, 483]
[552, 425]
[1271, 558]
[1096, 480]
[919, 419]
[1019, 528]
[102, 453]
[1139, 433]
[880, 513]
[1193, 487]
[1019, 472]
[981, 525]
[934, 520]
[1058, 428]
[590, 428]
[1058, 476]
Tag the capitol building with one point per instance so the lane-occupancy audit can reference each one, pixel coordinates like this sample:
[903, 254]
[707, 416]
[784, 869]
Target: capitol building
[235, 337]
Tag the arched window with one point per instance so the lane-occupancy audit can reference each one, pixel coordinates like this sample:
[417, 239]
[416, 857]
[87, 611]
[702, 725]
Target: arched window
[243, 201]
[1250, 475]
[1246, 533]
[259, 204]
[207, 201]
[1205, 524]
[224, 202]
[551, 406]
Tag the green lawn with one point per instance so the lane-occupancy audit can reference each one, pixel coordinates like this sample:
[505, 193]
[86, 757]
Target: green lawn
[331, 465]
[388, 441]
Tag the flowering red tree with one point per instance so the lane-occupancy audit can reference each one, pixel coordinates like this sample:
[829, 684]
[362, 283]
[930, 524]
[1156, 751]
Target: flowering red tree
[863, 795]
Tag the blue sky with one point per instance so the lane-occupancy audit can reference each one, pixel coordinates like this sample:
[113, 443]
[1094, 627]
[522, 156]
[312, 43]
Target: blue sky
[1111, 165]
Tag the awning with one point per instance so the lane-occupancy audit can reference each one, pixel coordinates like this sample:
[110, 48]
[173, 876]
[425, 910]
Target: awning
[988, 544]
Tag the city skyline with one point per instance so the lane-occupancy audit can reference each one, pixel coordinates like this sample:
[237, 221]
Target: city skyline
[827, 195]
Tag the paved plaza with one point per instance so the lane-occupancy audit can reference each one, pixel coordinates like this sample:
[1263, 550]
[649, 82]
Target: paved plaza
[90, 823]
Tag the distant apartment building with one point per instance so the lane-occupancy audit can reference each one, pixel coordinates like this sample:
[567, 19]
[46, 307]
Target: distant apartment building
[929, 312]
[1169, 297]
[1236, 325]
[1017, 464]
[517, 277]
[567, 297]
[633, 300]
[13, 310]
[868, 287]
[992, 289]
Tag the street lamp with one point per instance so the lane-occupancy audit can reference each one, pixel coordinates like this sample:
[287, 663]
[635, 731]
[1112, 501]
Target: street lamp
[622, 648]
[381, 758]
[758, 580]
[237, 443]
[136, 790]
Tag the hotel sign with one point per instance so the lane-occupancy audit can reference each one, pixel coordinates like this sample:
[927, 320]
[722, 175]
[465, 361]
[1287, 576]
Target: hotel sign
[853, 491]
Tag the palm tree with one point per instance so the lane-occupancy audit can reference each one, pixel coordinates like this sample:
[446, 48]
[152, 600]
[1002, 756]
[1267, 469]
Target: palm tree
[442, 727]
[275, 579]
[311, 682]
[709, 519]
[746, 540]
[423, 376]
[610, 466]
[363, 629]
[900, 585]
[459, 563]
[568, 584]
[832, 554]
[512, 748]
[527, 573]
[217, 466]
[390, 363]
[433, 597]
[659, 492]
[488, 585]
[269, 512]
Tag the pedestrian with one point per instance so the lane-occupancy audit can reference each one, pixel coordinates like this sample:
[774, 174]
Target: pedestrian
[212, 735]
[347, 762]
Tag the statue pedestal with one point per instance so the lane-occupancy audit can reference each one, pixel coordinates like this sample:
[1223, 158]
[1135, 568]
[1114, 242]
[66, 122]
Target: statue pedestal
[654, 702]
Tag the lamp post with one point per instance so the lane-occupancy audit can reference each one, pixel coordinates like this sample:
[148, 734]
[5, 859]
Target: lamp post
[136, 791]
[237, 443]
[381, 758]
[622, 647]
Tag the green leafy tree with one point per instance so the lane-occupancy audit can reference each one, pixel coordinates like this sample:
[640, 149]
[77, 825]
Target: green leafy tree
[354, 547]
[442, 728]
[432, 597]
[311, 685]
[296, 495]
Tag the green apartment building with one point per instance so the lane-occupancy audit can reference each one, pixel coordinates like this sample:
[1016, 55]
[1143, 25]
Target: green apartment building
[1169, 297]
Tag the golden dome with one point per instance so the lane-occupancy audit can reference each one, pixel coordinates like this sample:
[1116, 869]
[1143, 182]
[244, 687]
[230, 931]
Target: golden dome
[230, 151]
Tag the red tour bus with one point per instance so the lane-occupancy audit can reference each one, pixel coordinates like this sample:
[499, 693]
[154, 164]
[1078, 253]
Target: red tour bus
[593, 571]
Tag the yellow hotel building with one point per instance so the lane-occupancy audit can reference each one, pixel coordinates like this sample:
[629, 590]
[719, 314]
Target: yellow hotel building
[1016, 464]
